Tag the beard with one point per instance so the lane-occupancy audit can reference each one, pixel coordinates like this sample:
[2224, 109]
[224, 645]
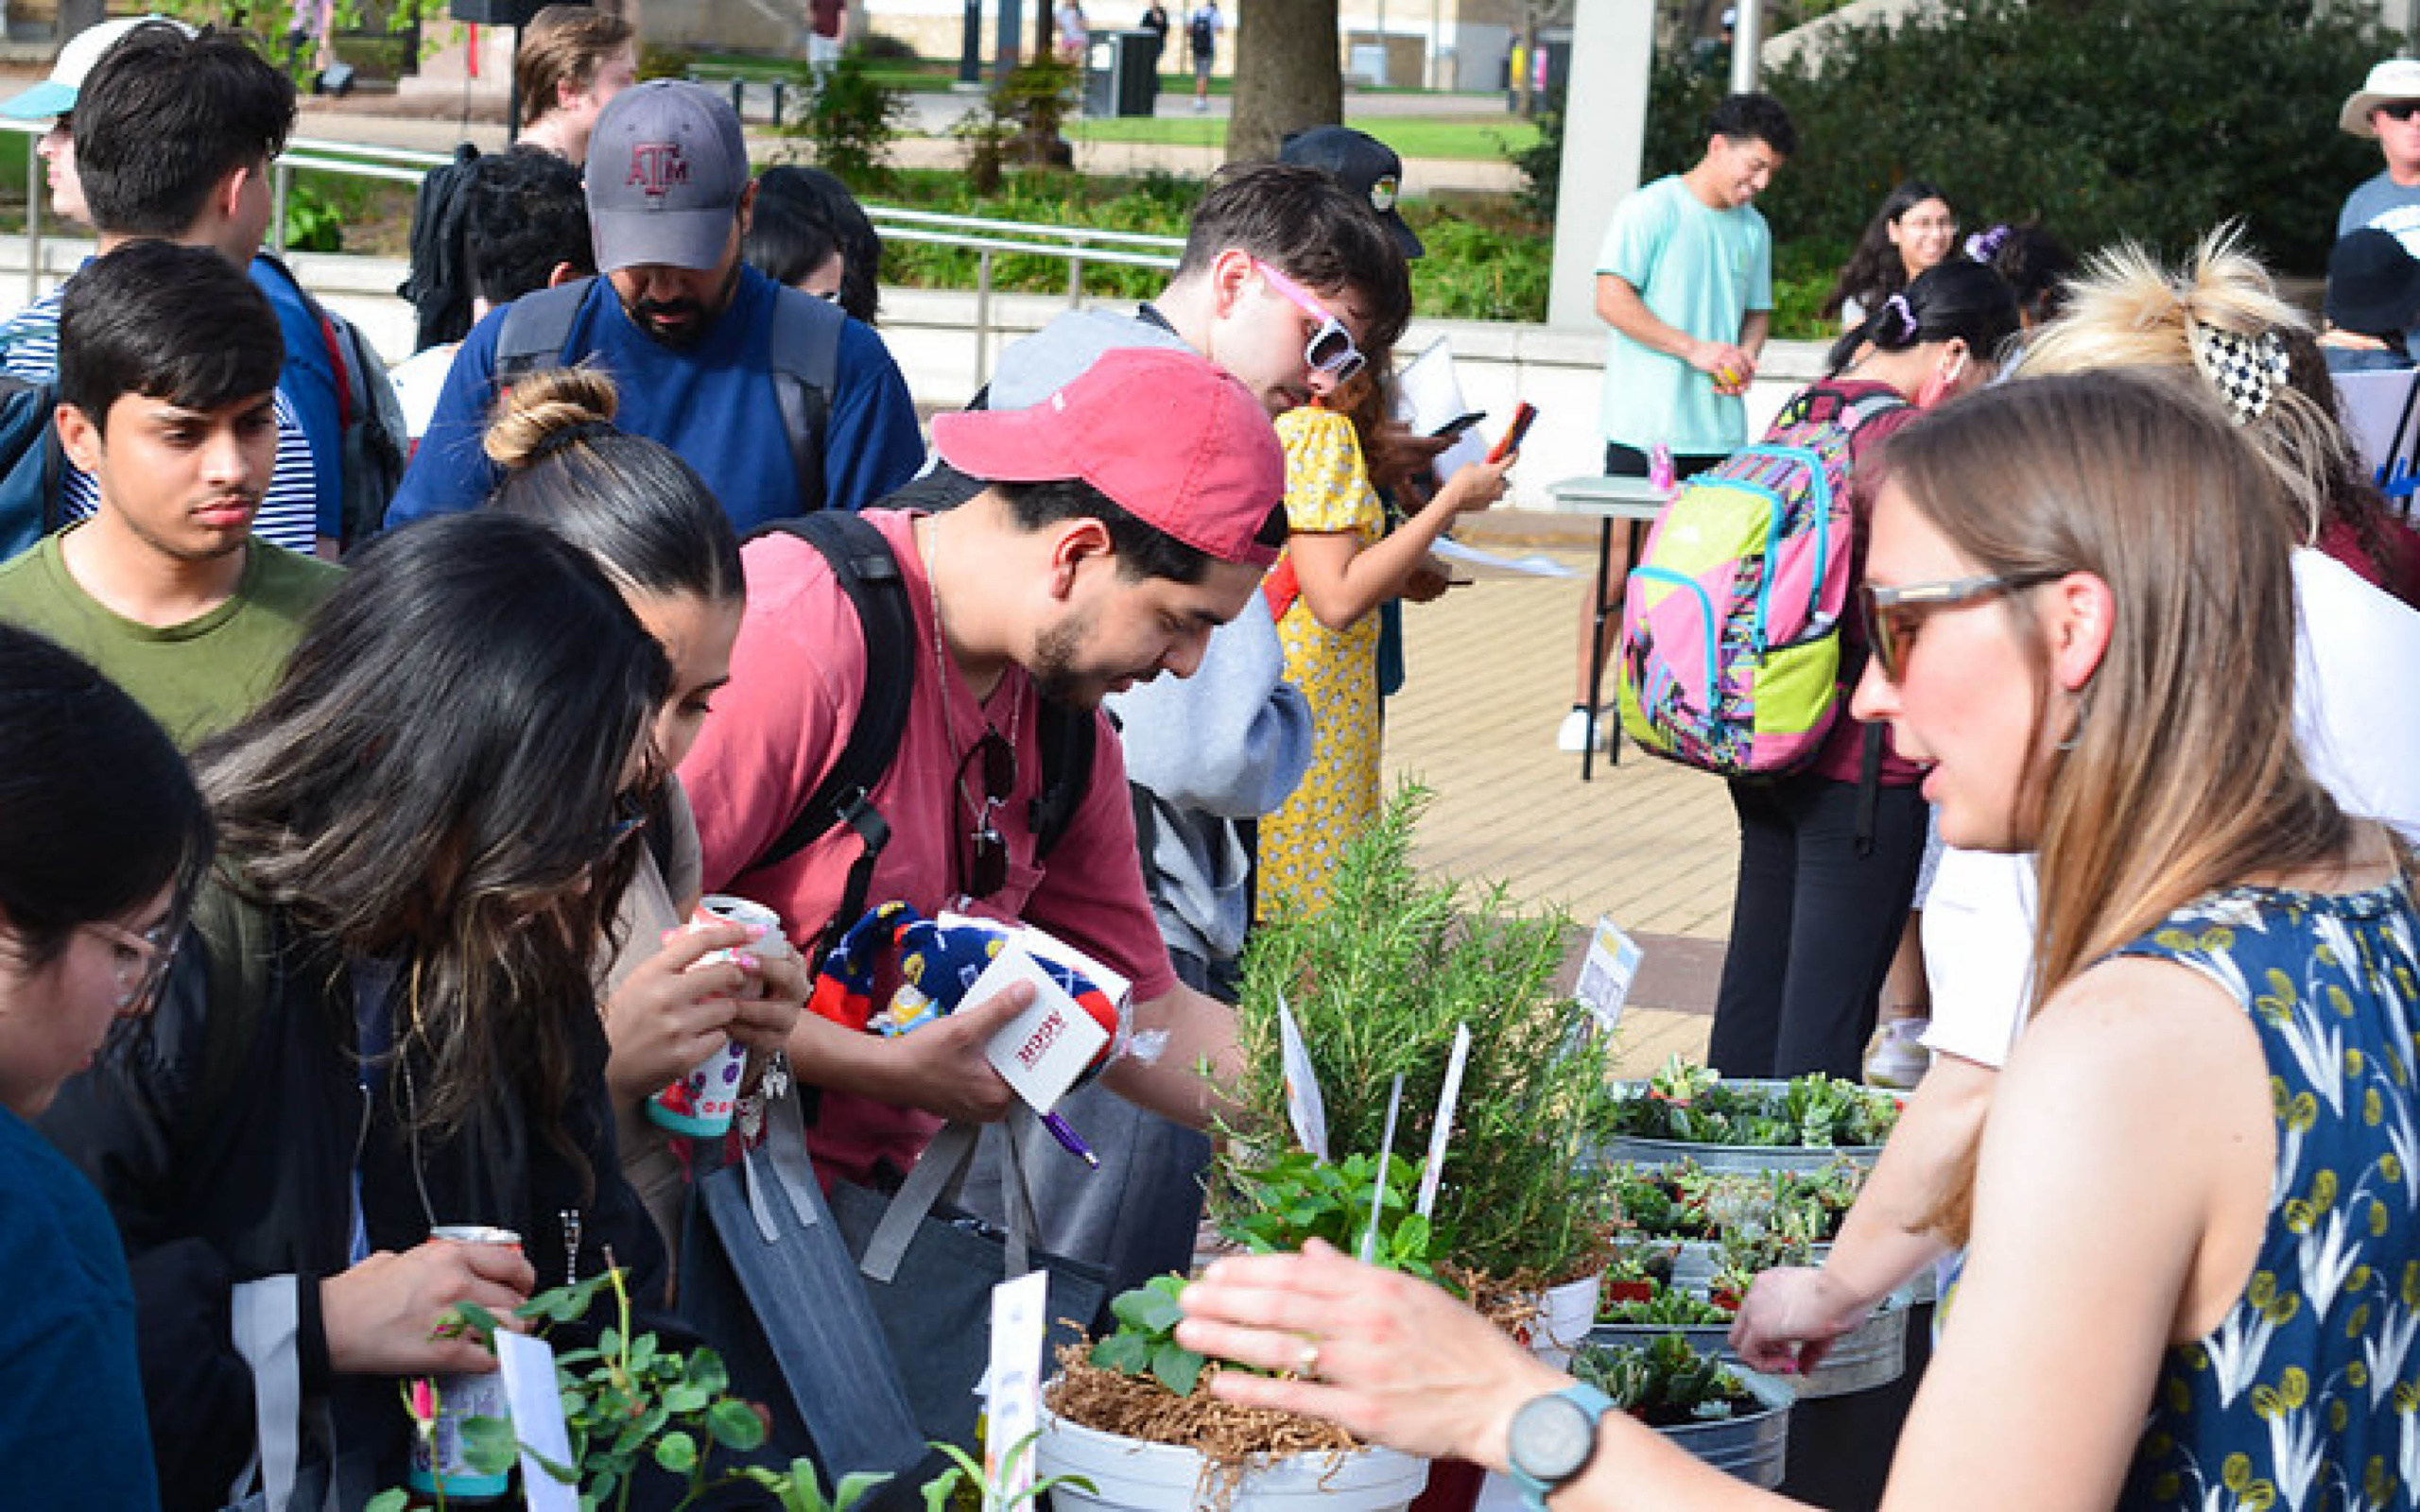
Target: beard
[1058, 671]
[683, 323]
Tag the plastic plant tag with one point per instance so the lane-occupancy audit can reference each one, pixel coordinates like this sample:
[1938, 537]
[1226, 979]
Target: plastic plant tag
[529, 1368]
[1013, 1410]
[1605, 975]
[1378, 1190]
[1042, 1050]
[1304, 1108]
[1437, 1137]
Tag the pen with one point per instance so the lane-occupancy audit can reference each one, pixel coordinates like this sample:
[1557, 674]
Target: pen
[1067, 1140]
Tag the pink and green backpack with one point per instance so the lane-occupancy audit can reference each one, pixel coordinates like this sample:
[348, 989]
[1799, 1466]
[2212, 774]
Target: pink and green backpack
[1730, 656]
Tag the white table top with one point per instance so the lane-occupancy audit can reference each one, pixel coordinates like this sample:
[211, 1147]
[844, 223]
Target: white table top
[1608, 498]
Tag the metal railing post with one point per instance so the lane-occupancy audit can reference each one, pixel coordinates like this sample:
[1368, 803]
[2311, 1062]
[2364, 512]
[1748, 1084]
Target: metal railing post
[983, 318]
[34, 177]
[1075, 282]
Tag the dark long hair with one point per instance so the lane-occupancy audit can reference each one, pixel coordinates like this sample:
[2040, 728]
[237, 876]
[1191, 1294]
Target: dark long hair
[97, 811]
[1874, 271]
[1957, 301]
[434, 782]
[796, 206]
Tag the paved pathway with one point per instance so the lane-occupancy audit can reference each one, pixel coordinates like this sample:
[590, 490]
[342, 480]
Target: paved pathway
[1650, 844]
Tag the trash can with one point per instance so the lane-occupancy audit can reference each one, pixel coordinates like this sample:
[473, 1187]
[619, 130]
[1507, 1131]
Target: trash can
[1117, 74]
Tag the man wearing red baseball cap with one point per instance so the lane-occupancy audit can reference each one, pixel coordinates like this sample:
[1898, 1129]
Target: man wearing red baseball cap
[1121, 519]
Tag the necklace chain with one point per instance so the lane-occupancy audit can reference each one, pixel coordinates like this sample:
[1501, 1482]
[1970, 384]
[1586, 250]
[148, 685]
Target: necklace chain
[978, 810]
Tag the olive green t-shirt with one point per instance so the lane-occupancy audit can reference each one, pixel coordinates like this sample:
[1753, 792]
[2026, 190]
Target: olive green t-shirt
[197, 678]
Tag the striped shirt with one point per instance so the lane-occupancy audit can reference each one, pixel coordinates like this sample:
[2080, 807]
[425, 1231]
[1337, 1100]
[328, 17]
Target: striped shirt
[289, 511]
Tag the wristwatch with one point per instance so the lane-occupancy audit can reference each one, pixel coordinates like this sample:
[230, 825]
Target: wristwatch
[1552, 1439]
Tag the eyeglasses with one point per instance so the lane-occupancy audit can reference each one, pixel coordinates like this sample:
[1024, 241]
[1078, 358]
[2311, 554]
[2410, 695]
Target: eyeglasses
[2399, 109]
[1330, 349]
[1894, 615]
[986, 869]
[141, 961]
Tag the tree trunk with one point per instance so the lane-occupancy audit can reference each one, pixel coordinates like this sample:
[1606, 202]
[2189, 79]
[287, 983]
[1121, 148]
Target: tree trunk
[1288, 75]
[1045, 31]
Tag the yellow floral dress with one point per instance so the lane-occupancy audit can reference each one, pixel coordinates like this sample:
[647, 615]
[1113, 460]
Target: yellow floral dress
[1327, 488]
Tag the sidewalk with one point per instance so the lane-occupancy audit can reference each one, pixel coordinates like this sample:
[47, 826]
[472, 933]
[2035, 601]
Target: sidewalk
[1651, 845]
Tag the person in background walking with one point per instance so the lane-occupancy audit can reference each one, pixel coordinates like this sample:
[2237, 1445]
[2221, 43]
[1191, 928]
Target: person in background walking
[1155, 21]
[1074, 35]
[1201, 31]
[826, 23]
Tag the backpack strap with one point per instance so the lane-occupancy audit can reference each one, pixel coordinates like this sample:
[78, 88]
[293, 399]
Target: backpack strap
[244, 964]
[805, 350]
[867, 573]
[1069, 738]
[537, 327]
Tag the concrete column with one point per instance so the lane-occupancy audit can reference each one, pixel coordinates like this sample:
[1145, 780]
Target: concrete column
[1604, 136]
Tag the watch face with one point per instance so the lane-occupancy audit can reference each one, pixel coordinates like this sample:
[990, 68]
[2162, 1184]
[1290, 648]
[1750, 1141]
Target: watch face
[1552, 1439]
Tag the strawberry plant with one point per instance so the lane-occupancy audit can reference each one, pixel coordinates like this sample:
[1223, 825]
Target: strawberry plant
[1145, 1340]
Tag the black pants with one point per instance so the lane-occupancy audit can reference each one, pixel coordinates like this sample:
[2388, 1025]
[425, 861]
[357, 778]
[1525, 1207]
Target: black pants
[1813, 924]
[1630, 463]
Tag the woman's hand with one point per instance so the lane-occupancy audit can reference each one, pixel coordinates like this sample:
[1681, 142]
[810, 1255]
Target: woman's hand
[1475, 486]
[380, 1318]
[1789, 1317]
[671, 1013]
[768, 1009]
[1388, 1357]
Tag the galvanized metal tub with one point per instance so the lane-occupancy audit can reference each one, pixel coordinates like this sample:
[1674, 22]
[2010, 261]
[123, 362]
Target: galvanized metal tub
[1801, 1159]
[1875, 1353]
[1694, 1263]
[1755, 1446]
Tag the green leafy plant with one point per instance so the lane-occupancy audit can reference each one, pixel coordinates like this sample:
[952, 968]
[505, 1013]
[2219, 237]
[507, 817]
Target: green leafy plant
[1684, 1103]
[1665, 1307]
[852, 121]
[1020, 122]
[1665, 1383]
[628, 1401]
[313, 222]
[964, 1485]
[1144, 1342]
[1377, 981]
[1294, 1198]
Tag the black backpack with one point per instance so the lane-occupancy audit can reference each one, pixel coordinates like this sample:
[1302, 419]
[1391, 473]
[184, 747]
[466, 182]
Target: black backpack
[868, 574]
[439, 285]
[806, 363]
[1202, 33]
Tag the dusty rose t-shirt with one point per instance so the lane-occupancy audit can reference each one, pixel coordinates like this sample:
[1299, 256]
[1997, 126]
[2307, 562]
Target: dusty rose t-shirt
[797, 679]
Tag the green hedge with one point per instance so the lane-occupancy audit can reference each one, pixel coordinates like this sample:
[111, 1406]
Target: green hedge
[2102, 119]
[1483, 264]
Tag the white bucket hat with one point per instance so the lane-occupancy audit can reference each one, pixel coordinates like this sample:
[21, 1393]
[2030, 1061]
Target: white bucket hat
[2397, 78]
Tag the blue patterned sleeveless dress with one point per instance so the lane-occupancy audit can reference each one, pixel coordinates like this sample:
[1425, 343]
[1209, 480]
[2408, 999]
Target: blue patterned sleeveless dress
[2306, 1398]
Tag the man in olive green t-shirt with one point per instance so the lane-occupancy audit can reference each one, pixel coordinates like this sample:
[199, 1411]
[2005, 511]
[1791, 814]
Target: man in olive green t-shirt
[168, 359]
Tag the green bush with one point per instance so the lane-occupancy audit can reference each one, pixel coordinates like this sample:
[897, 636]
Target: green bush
[2150, 119]
[853, 119]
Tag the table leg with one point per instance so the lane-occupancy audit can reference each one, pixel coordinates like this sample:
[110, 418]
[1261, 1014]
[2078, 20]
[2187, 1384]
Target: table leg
[1597, 643]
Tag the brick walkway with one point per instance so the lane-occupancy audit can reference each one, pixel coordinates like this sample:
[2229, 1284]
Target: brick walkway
[1650, 843]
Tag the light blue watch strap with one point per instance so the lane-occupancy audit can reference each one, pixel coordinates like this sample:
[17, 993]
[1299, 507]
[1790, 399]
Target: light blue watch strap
[1589, 1401]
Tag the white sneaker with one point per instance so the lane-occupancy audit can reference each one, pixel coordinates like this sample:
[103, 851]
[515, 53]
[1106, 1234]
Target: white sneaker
[1571, 736]
[1896, 1058]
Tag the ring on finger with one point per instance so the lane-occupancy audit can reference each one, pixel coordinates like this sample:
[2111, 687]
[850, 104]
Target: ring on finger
[1306, 1364]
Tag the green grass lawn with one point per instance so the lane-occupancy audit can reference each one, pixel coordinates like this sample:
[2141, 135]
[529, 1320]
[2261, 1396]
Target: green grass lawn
[1411, 136]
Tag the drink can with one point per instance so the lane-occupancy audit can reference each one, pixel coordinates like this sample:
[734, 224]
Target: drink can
[700, 1104]
[439, 1465]
[1659, 468]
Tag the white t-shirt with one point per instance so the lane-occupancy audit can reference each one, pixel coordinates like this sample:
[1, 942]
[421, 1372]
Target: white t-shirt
[2360, 733]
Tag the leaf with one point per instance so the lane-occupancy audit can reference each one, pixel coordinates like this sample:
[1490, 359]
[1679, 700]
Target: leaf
[395, 1501]
[1126, 1353]
[1176, 1367]
[854, 1486]
[476, 1321]
[681, 1400]
[735, 1425]
[487, 1445]
[677, 1452]
[706, 1372]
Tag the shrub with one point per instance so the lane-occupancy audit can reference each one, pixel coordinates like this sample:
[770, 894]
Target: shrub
[853, 120]
[2151, 119]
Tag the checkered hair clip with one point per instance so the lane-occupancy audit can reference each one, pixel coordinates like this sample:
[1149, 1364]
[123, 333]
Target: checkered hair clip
[2247, 370]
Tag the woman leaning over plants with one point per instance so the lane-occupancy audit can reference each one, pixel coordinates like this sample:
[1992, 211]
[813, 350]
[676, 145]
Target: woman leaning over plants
[386, 1024]
[102, 839]
[2192, 1218]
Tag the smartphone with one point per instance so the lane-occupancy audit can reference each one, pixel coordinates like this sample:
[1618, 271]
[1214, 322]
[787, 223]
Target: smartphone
[1511, 441]
[1457, 424]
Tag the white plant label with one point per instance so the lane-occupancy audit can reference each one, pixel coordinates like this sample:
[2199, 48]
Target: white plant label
[1303, 1106]
[1606, 973]
[1012, 1414]
[1443, 1134]
[1378, 1196]
[537, 1406]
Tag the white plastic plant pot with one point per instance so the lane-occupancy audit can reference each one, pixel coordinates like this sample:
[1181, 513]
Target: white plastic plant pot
[1564, 1317]
[1131, 1475]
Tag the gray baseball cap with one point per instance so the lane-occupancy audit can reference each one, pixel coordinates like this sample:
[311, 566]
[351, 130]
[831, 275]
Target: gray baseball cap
[666, 168]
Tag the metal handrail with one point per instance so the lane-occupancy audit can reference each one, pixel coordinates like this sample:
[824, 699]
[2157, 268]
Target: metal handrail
[987, 239]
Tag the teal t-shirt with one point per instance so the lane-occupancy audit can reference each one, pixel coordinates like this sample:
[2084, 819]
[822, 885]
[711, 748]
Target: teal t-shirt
[197, 678]
[1701, 270]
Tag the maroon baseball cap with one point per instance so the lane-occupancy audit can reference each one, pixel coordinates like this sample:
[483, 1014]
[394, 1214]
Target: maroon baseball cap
[1170, 436]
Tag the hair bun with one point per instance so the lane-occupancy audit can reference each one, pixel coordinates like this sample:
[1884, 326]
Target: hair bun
[548, 410]
[1894, 324]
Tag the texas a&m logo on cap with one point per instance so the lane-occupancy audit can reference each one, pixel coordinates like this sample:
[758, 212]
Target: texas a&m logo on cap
[657, 167]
